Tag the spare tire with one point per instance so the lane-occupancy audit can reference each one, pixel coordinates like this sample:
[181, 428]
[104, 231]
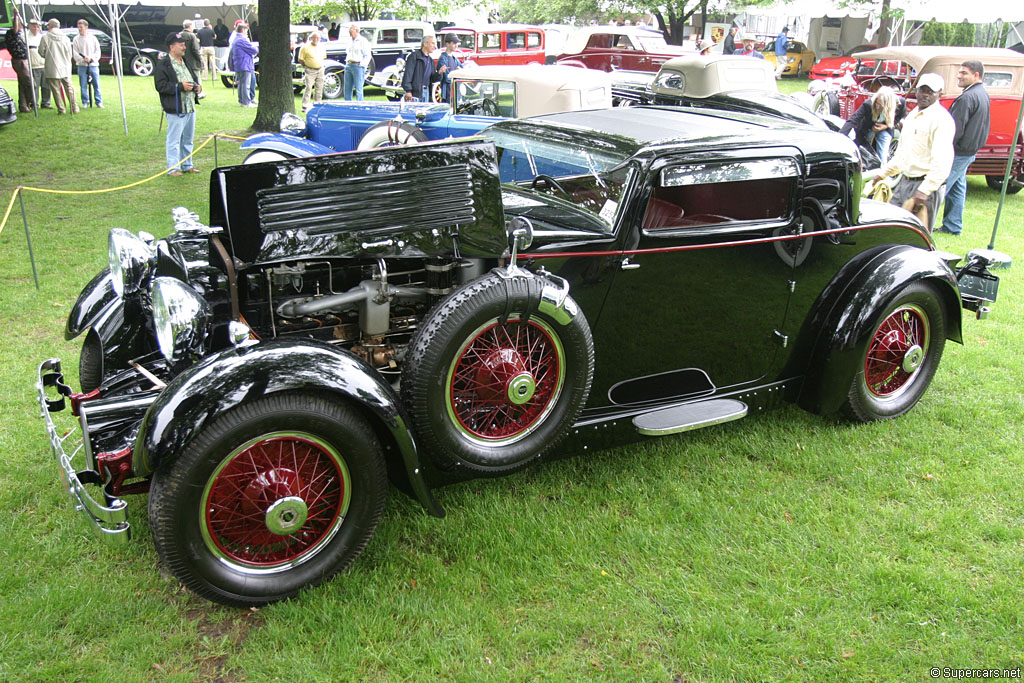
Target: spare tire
[391, 133]
[491, 382]
[825, 103]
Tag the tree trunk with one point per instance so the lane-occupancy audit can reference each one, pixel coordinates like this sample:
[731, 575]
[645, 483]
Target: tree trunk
[884, 37]
[276, 94]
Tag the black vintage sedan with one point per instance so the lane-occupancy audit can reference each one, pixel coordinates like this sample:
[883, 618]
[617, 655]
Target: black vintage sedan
[565, 282]
[138, 61]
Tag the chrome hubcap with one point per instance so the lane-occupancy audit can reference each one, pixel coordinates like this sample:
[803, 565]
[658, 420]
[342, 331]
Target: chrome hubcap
[521, 388]
[286, 515]
[913, 358]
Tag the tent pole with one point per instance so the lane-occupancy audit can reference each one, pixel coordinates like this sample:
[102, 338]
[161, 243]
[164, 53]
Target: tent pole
[1006, 174]
[116, 62]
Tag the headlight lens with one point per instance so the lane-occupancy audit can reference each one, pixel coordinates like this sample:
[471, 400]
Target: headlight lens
[180, 317]
[129, 259]
[399, 63]
[290, 123]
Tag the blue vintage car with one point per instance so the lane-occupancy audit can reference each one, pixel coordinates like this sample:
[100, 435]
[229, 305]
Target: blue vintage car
[481, 95]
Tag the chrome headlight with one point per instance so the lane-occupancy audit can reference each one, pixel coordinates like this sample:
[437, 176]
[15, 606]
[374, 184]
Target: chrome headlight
[290, 123]
[180, 317]
[130, 259]
[399, 63]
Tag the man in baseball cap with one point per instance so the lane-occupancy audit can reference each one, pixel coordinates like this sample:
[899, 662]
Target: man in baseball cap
[925, 153]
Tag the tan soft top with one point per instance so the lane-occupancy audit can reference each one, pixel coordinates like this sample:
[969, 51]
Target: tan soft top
[547, 89]
[945, 61]
[707, 76]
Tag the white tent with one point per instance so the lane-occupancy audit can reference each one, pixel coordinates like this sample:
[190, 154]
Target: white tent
[111, 13]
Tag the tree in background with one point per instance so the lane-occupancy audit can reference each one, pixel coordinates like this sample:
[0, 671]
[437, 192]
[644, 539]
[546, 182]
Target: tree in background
[276, 94]
[940, 33]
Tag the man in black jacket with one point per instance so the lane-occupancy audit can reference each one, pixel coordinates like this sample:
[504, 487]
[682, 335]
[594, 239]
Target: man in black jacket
[729, 44]
[971, 115]
[178, 87]
[420, 72]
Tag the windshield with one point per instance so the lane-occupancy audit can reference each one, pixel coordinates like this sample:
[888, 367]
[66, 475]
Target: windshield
[569, 172]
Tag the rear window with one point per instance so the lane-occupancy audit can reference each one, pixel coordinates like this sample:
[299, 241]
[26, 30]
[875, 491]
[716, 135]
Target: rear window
[532, 39]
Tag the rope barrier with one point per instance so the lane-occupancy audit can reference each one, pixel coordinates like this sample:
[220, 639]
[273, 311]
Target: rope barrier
[25, 188]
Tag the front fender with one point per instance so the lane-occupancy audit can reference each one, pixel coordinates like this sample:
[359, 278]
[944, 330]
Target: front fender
[381, 77]
[232, 377]
[285, 144]
[841, 323]
[96, 297]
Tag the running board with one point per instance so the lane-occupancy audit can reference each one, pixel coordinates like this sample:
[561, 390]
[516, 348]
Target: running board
[690, 416]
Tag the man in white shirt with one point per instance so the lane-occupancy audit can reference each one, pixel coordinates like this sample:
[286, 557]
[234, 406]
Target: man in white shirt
[38, 64]
[86, 50]
[356, 60]
[925, 154]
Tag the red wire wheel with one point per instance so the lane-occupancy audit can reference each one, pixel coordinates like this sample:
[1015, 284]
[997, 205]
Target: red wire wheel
[896, 352]
[505, 380]
[275, 502]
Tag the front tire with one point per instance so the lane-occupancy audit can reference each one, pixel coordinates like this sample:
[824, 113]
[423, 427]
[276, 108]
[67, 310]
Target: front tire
[274, 496]
[90, 363]
[490, 387]
[261, 155]
[393, 80]
[332, 85]
[900, 358]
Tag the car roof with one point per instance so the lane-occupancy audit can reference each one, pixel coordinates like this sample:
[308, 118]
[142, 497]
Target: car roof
[545, 88]
[490, 28]
[918, 56]
[578, 39]
[707, 76]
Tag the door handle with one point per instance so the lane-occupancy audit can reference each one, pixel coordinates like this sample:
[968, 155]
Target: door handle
[626, 264]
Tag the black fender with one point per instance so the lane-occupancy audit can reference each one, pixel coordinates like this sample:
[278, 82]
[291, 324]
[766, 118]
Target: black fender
[234, 376]
[841, 321]
[96, 297]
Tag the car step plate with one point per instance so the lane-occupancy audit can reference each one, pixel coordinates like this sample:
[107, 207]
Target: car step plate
[688, 417]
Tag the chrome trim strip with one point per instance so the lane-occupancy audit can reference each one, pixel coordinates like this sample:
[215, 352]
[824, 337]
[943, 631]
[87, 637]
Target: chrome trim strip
[109, 522]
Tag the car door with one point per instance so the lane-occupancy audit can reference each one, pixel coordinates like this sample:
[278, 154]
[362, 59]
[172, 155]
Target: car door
[701, 291]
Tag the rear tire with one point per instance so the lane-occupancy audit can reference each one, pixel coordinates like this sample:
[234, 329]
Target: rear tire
[141, 65]
[274, 496]
[900, 357]
[995, 182]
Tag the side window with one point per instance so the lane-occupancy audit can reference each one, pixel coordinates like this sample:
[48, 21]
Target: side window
[624, 43]
[600, 40]
[490, 41]
[532, 39]
[413, 35]
[387, 36]
[997, 79]
[703, 194]
[485, 98]
[369, 33]
[516, 41]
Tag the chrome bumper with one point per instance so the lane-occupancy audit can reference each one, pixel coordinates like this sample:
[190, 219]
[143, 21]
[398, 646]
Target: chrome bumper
[110, 521]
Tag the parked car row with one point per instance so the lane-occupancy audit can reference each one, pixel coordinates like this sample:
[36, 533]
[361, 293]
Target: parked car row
[135, 60]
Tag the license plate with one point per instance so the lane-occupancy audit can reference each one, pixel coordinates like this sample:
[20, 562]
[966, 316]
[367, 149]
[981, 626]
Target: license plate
[979, 285]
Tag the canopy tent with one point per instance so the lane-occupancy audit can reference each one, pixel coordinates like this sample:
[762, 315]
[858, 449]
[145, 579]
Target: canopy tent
[111, 14]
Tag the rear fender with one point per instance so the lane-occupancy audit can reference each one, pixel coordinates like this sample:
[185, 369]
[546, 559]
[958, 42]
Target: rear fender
[842, 320]
[230, 378]
[285, 144]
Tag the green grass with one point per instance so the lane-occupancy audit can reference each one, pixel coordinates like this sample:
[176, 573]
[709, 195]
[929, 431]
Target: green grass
[784, 546]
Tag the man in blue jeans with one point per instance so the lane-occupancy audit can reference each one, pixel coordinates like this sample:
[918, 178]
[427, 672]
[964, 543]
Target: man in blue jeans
[781, 43]
[357, 58]
[178, 86]
[970, 112]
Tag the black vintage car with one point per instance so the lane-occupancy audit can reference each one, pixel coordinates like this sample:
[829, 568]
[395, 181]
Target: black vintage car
[566, 282]
[135, 60]
[8, 110]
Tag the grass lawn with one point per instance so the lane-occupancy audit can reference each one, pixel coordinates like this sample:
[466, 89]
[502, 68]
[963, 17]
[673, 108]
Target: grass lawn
[783, 546]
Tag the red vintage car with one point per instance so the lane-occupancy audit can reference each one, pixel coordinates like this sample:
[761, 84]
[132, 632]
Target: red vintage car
[610, 48]
[1004, 81]
[834, 67]
[497, 44]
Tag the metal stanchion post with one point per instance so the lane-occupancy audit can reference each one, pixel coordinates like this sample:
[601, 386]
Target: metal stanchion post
[24, 219]
[216, 162]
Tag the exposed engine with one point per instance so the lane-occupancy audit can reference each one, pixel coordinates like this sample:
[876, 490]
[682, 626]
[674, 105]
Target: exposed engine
[370, 309]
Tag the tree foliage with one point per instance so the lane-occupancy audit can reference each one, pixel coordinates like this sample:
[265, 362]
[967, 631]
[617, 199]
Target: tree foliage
[671, 14]
[314, 11]
[940, 33]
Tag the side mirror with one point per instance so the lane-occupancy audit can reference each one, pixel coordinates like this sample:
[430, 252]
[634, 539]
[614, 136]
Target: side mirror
[520, 231]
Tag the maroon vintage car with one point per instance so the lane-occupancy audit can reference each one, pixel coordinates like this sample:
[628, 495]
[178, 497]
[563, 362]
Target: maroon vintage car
[497, 44]
[610, 48]
[1004, 81]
